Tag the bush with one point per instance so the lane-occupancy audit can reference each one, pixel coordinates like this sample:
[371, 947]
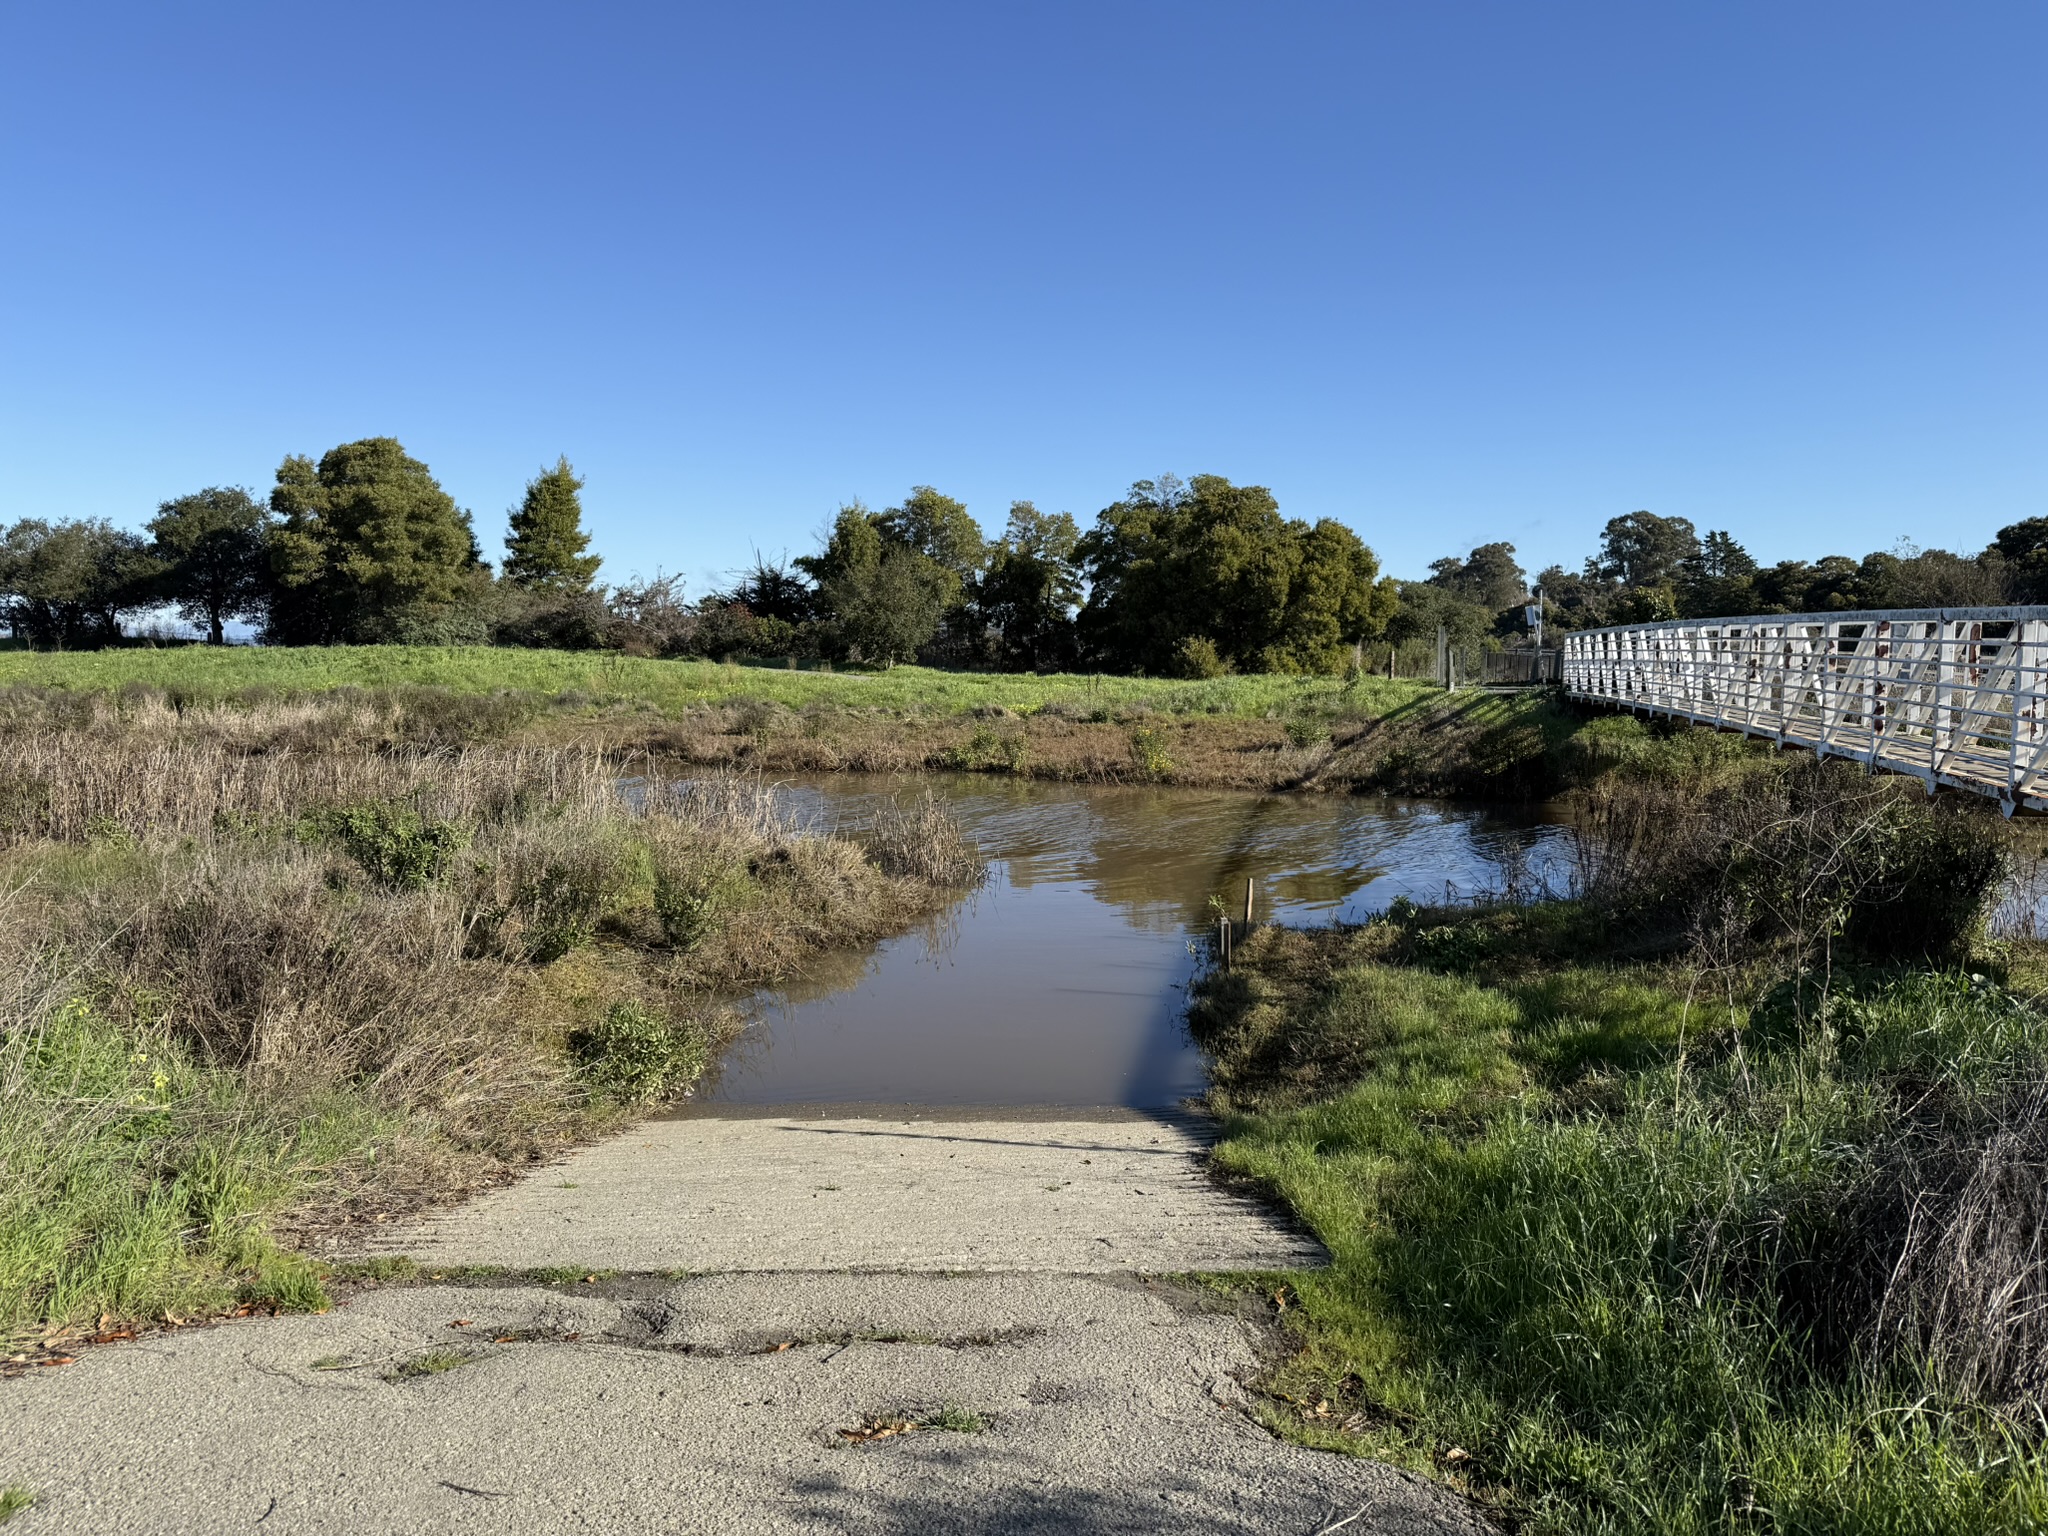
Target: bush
[1197, 657]
[635, 1056]
[1792, 861]
[393, 844]
[1148, 746]
[693, 893]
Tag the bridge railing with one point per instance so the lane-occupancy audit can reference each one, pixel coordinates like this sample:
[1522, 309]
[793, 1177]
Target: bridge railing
[1956, 696]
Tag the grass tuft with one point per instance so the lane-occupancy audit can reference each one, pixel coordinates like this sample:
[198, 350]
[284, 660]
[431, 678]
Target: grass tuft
[432, 1362]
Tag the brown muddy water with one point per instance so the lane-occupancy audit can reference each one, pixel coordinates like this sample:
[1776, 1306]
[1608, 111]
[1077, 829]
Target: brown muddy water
[1062, 981]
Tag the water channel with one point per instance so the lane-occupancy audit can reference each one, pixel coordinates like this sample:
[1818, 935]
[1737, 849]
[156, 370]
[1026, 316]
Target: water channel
[1061, 982]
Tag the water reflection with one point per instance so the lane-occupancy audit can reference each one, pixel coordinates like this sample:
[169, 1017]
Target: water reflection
[1060, 983]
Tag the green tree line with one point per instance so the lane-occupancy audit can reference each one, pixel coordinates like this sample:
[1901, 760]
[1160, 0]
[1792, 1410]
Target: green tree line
[1650, 568]
[1187, 578]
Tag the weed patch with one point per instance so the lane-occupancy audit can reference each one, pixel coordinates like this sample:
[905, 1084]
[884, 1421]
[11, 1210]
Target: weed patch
[432, 1362]
[949, 1418]
[634, 1055]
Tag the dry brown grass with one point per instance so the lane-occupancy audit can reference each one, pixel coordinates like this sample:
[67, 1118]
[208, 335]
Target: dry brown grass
[430, 939]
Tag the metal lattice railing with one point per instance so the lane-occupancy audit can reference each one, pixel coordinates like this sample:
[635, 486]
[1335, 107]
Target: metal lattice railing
[1955, 696]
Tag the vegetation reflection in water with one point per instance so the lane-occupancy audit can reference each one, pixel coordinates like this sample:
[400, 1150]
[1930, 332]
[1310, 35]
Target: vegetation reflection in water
[1061, 981]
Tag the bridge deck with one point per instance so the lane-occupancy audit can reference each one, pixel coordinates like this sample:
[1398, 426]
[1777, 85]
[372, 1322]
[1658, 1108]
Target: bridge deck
[1956, 697]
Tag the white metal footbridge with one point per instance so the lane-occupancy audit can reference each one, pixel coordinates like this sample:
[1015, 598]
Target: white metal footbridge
[1956, 697]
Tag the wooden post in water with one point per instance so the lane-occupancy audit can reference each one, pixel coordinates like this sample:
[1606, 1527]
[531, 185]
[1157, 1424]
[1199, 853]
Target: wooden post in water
[1247, 901]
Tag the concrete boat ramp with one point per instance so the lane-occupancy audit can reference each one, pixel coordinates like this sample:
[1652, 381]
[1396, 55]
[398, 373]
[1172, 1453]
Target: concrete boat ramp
[854, 1320]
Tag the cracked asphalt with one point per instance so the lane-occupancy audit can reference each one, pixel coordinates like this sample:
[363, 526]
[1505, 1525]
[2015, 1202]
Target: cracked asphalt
[718, 1402]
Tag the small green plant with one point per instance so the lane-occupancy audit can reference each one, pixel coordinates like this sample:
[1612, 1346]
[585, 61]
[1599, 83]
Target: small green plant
[955, 1419]
[1307, 733]
[13, 1500]
[1453, 946]
[1148, 746]
[636, 1055]
[988, 749]
[691, 900]
[394, 844]
[108, 832]
[432, 1362]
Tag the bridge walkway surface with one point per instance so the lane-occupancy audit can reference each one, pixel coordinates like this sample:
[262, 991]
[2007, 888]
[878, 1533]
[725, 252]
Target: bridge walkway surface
[1955, 697]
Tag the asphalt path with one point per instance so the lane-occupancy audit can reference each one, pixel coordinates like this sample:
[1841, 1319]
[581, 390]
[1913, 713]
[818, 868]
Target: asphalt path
[851, 1322]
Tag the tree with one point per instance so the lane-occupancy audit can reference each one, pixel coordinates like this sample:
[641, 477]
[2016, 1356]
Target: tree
[772, 590]
[1427, 607]
[1488, 576]
[1572, 600]
[66, 585]
[1334, 600]
[889, 608]
[1716, 579]
[369, 547]
[2023, 546]
[544, 551]
[1642, 549]
[940, 529]
[1026, 597]
[1216, 562]
[885, 598]
[211, 545]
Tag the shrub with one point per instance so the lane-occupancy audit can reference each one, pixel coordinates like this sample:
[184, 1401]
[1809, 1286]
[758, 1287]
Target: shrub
[394, 844]
[693, 892]
[1197, 657]
[1148, 746]
[1792, 861]
[635, 1055]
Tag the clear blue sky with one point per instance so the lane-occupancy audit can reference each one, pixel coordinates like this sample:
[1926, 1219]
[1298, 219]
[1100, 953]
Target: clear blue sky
[1447, 271]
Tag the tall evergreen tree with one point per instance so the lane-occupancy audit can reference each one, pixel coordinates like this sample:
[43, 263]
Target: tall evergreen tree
[367, 548]
[544, 552]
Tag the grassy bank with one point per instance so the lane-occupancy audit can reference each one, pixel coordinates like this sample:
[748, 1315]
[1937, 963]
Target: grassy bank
[1262, 732]
[262, 978]
[1712, 1200]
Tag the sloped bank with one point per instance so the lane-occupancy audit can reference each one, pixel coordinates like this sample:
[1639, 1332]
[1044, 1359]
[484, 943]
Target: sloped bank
[1710, 1200]
[254, 986]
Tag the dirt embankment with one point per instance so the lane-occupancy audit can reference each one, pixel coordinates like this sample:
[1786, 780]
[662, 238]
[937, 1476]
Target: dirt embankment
[1506, 747]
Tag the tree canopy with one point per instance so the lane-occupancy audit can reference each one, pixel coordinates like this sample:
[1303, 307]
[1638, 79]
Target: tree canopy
[66, 584]
[1027, 595]
[368, 545]
[544, 552]
[1173, 564]
[212, 547]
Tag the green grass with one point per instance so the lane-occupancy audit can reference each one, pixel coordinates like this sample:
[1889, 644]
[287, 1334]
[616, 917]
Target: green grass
[200, 673]
[137, 1178]
[1590, 1276]
[13, 1500]
[432, 1362]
